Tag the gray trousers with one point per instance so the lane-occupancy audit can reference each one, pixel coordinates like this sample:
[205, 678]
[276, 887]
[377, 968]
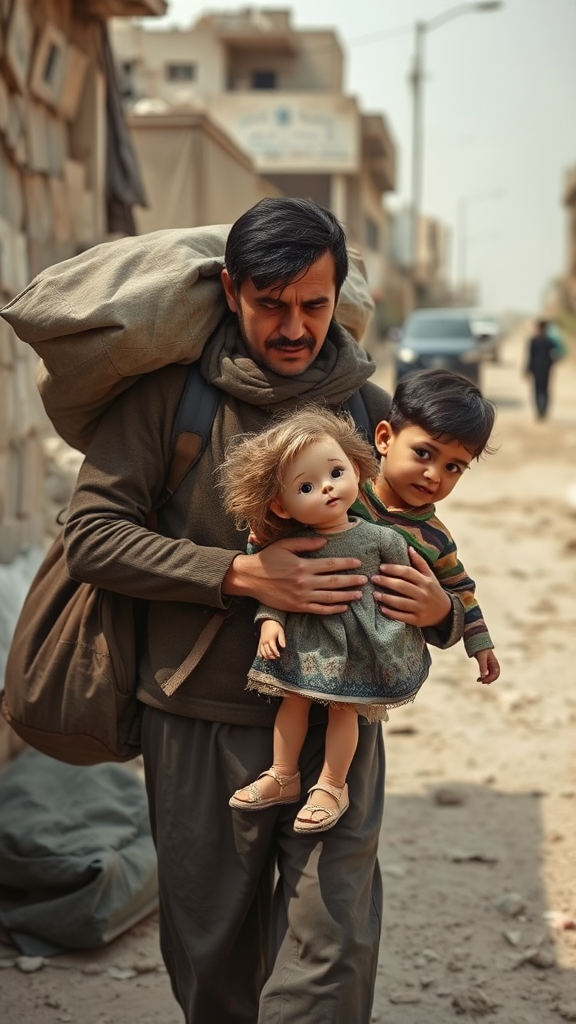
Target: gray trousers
[238, 948]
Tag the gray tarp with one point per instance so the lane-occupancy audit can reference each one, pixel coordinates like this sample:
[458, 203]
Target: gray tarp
[77, 862]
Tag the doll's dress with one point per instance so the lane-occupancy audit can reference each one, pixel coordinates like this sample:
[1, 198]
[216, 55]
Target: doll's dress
[359, 657]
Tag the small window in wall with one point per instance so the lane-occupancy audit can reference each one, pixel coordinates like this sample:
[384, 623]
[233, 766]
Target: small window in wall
[180, 72]
[372, 234]
[263, 79]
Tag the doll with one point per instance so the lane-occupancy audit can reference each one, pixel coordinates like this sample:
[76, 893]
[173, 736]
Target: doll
[301, 476]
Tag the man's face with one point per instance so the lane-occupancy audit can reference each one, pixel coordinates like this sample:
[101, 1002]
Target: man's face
[284, 328]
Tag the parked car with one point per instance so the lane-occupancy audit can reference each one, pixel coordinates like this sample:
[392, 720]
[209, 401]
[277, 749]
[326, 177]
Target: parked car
[488, 330]
[439, 338]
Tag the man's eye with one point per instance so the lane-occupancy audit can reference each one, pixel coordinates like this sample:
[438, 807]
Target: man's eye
[306, 489]
[336, 472]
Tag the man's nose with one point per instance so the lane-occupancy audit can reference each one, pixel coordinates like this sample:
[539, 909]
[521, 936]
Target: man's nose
[292, 325]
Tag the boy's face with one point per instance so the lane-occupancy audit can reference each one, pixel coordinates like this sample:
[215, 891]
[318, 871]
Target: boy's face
[417, 469]
[319, 487]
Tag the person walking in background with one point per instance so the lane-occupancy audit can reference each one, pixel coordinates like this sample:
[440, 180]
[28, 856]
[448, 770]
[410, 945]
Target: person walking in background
[542, 353]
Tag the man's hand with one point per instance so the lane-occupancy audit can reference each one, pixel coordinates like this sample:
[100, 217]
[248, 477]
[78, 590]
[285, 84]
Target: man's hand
[272, 638]
[489, 666]
[276, 576]
[417, 597]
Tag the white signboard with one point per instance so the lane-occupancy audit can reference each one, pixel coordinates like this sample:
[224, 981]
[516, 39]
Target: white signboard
[290, 132]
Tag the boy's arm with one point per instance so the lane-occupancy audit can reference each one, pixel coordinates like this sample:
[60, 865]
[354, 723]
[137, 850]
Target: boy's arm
[450, 572]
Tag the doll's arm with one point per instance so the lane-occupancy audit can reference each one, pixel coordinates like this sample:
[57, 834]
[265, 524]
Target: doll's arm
[272, 640]
[272, 632]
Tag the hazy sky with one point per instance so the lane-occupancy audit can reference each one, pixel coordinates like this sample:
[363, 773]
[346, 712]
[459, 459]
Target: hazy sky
[500, 120]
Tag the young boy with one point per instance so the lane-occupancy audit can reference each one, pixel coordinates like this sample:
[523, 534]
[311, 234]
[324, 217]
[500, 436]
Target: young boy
[438, 423]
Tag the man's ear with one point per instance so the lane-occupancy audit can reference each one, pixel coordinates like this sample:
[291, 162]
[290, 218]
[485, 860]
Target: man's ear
[383, 436]
[229, 290]
[278, 510]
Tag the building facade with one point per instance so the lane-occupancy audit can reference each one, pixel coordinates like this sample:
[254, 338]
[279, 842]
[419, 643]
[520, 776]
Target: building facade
[61, 191]
[277, 93]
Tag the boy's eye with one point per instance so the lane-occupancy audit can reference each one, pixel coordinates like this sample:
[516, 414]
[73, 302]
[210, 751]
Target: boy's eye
[306, 488]
[422, 453]
[336, 472]
[452, 467]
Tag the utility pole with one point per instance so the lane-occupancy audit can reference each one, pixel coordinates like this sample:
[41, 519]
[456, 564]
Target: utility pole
[417, 78]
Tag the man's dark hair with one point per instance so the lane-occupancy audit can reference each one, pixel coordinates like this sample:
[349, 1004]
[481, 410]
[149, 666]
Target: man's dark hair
[278, 240]
[447, 406]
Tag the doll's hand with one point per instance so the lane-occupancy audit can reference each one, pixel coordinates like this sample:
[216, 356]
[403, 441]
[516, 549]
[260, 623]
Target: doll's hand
[417, 597]
[272, 638]
[489, 666]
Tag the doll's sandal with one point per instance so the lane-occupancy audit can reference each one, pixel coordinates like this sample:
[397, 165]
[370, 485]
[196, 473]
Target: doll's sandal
[289, 792]
[316, 818]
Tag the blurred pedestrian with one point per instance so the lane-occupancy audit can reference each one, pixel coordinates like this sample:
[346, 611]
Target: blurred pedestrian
[542, 353]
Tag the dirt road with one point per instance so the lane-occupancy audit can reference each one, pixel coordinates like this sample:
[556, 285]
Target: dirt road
[479, 838]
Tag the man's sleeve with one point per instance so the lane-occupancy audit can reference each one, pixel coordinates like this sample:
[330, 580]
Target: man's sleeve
[119, 485]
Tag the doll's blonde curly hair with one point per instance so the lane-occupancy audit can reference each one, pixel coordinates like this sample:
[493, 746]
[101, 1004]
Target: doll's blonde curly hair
[255, 465]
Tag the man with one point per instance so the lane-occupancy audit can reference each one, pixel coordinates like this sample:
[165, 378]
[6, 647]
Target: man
[235, 954]
[543, 351]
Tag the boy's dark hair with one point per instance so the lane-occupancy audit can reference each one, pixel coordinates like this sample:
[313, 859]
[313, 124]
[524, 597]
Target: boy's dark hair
[278, 240]
[447, 406]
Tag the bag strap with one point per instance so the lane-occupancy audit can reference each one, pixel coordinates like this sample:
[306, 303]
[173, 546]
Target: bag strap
[190, 435]
[191, 430]
[356, 406]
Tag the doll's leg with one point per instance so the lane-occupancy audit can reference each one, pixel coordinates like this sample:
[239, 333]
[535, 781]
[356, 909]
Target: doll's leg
[330, 795]
[281, 783]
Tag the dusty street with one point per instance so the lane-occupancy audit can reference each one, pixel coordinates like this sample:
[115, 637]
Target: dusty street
[479, 837]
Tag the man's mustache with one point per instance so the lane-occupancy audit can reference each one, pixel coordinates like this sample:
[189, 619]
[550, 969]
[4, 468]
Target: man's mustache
[306, 341]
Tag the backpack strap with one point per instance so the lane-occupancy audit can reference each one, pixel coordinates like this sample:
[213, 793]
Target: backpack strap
[356, 406]
[192, 428]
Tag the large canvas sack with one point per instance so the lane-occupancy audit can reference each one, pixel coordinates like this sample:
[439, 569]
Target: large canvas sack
[69, 685]
[130, 306]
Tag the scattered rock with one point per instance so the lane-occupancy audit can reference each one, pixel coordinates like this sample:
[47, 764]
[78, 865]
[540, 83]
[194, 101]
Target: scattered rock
[513, 937]
[404, 997]
[538, 956]
[121, 973]
[145, 966]
[473, 1001]
[510, 904]
[559, 921]
[446, 796]
[29, 964]
[397, 870]
[566, 1010]
[482, 856]
[53, 1002]
[93, 968]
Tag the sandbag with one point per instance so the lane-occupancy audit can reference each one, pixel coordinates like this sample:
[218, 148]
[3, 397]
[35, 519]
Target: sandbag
[77, 861]
[127, 307]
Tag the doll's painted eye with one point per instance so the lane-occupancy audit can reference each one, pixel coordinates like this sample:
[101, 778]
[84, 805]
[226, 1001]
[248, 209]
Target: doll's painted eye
[306, 488]
[337, 472]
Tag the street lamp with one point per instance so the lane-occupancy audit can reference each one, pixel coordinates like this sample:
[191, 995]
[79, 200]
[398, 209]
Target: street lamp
[417, 78]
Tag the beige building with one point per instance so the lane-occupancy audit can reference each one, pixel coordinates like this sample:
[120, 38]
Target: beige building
[63, 188]
[277, 94]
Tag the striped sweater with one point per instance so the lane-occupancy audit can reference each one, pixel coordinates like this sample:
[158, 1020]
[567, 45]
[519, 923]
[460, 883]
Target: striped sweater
[429, 537]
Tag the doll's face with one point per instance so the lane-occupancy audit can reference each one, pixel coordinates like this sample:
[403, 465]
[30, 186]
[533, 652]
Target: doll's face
[319, 487]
